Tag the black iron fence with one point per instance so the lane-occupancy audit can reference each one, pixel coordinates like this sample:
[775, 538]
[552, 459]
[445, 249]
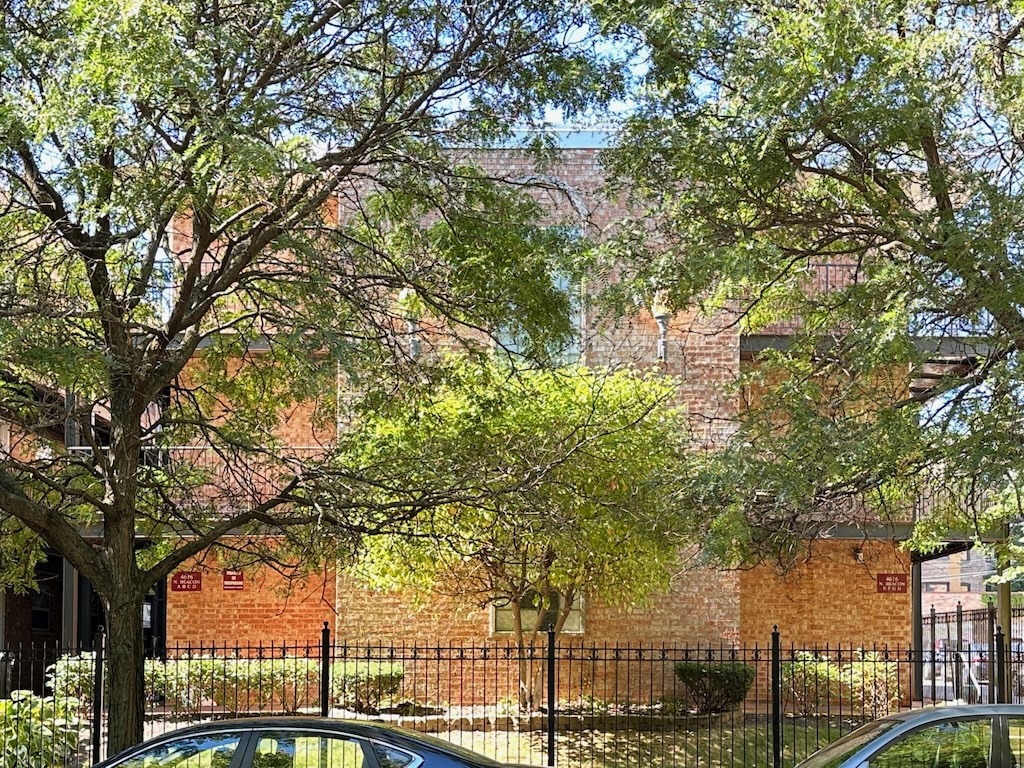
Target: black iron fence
[564, 703]
[944, 631]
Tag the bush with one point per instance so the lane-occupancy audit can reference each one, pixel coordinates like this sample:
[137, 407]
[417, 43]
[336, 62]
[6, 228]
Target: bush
[239, 684]
[37, 732]
[872, 683]
[72, 677]
[868, 683]
[809, 683]
[365, 686]
[715, 687]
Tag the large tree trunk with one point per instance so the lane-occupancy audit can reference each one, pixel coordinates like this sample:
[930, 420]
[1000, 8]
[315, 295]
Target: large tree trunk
[125, 668]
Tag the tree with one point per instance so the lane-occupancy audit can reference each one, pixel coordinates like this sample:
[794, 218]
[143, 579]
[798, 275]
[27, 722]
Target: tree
[208, 210]
[597, 451]
[853, 171]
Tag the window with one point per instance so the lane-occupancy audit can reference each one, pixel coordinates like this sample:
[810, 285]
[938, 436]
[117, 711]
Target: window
[1016, 735]
[949, 744]
[392, 757]
[42, 601]
[307, 750]
[537, 613]
[571, 352]
[205, 751]
[936, 586]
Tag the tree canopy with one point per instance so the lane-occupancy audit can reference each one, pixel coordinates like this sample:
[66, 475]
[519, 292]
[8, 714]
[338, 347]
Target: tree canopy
[207, 211]
[847, 177]
[592, 456]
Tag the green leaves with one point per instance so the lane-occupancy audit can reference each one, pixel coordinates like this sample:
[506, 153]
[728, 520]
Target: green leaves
[566, 475]
[846, 177]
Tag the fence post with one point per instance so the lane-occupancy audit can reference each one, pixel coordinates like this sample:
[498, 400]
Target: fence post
[325, 670]
[991, 637]
[551, 694]
[97, 695]
[958, 655]
[1001, 691]
[776, 698]
[934, 654]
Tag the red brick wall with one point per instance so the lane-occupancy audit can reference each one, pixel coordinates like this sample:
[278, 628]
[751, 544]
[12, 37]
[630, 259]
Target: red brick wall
[702, 351]
[702, 606]
[828, 598]
[269, 610]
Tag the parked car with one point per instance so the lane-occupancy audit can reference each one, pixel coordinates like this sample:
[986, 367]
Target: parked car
[296, 742]
[973, 736]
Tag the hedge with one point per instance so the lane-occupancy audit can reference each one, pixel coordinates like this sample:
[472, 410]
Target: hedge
[241, 684]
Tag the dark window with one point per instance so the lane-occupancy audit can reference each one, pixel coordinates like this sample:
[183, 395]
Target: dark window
[42, 605]
[282, 749]
[389, 757]
[204, 751]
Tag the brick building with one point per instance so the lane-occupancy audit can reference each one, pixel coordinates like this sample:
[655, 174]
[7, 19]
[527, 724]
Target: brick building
[836, 595]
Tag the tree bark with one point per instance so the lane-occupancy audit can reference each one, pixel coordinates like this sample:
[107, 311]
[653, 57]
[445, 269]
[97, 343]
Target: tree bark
[125, 672]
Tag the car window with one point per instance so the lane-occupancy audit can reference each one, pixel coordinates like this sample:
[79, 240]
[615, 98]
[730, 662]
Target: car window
[201, 751]
[1016, 736]
[390, 757]
[841, 749]
[307, 750]
[949, 744]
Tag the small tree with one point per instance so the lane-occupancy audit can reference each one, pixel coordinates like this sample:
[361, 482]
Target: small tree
[584, 460]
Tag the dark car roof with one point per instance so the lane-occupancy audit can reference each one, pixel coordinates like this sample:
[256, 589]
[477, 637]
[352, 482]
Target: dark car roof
[374, 730]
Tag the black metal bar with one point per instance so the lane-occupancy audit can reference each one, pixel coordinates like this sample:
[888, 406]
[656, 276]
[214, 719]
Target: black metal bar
[325, 670]
[776, 698]
[551, 695]
[97, 696]
[1001, 691]
[917, 632]
[935, 653]
[991, 636]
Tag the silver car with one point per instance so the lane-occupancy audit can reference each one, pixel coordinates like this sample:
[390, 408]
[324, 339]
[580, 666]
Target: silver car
[976, 736]
[296, 742]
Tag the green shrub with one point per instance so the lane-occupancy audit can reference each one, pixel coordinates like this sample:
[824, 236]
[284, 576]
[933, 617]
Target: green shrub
[809, 683]
[715, 687]
[868, 683]
[673, 706]
[241, 685]
[364, 686]
[236, 684]
[72, 677]
[871, 683]
[37, 732]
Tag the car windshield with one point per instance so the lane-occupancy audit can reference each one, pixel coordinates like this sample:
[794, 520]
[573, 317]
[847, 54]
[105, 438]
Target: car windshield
[836, 752]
